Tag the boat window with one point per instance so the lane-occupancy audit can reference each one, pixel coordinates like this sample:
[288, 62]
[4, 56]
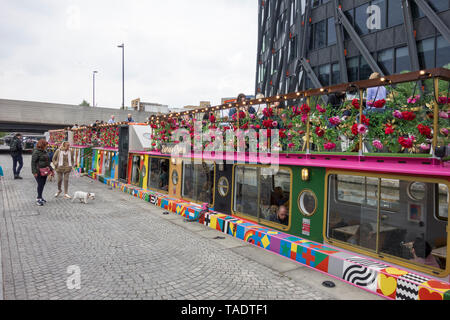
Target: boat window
[158, 176]
[403, 220]
[262, 194]
[136, 169]
[198, 182]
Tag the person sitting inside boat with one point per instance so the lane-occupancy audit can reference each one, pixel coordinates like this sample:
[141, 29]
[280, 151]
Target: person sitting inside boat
[278, 197]
[164, 178]
[364, 236]
[267, 210]
[282, 216]
[421, 251]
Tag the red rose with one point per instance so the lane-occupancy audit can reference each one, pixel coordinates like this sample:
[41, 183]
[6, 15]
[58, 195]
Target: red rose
[355, 103]
[379, 103]
[408, 115]
[365, 120]
[405, 142]
[320, 132]
[389, 129]
[305, 108]
[424, 130]
[355, 129]
[282, 133]
[241, 114]
[267, 123]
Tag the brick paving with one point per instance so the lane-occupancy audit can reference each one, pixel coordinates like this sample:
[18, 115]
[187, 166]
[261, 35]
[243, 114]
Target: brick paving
[124, 247]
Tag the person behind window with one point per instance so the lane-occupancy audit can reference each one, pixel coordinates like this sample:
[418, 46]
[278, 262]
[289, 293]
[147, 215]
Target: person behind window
[375, 94]
[282, 216]
[267, 210]
[278, 198]
[164, 177]
[363, 237]
[421, 252]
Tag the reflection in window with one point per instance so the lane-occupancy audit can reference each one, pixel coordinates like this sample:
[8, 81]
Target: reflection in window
[335, 73]
[320, 34]
[395, 13]
[324, 75]
[442, 52]
[439, 5]
[425, 50]
[331, 31]
[443, 201]
[399, 221]
[352, 69]
[386, 60]
[402, 60]
[364, 69]
[263, 196]
[361, 19]
[158, 176]
[136, 169]
[198, 182]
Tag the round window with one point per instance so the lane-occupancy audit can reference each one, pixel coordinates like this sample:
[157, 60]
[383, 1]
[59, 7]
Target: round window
[416, 190]
[223, 186]
[307, 202]
[174, 177]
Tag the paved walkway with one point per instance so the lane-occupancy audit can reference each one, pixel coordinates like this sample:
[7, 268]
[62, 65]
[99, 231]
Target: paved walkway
[126, 248]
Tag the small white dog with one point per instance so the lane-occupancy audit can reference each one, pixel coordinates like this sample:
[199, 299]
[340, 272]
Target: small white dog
[83, 196]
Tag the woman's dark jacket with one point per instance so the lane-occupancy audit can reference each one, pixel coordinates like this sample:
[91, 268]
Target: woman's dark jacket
[39, 159]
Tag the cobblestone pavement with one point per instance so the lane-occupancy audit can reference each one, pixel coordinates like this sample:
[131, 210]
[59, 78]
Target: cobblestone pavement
[125, 249]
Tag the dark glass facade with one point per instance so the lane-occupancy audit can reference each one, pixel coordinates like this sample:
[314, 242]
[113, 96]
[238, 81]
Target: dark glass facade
[295, 33]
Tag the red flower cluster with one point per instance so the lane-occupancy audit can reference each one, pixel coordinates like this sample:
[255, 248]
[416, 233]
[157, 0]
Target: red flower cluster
[320, 132]
[424, 130]
[406, 142]
[212, 118]
[389, 129]
[408, 115]
[268, 123]
[365, 120]
[379, 103]
[355, 103]
[268, 112]
[305, 108]
[355, 129]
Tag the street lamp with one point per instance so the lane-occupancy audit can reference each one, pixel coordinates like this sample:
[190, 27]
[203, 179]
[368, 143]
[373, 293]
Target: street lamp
[93, 88]
[123, 75]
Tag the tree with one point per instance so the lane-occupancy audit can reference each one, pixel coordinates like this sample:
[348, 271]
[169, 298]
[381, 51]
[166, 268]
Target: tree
[85, 104]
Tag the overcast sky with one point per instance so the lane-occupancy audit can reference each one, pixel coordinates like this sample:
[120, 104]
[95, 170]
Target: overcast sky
[176, 52]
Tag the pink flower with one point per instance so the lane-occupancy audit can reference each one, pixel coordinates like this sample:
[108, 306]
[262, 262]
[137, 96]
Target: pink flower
[335, 120]
[414, 99]
[444, 131]
[443, 100]
[377, 144]
[291, 145]
[329, 146]
[304, 117]
[274, 124]
[397, 114]
[362, 129]
[443, 115]
[425, 146]
[320, 109]
[252, 116]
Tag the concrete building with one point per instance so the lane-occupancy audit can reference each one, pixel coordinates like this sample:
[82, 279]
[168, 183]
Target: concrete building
[153, 107]
[313, 43]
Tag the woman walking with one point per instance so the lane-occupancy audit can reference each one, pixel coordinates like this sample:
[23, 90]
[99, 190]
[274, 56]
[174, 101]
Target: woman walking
[62, 161]
[40, 167]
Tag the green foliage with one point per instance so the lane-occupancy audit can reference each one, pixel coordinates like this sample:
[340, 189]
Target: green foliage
[84, 104]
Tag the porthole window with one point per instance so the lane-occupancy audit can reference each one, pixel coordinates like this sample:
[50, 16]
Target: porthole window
[223, 186]
[307, 202]
[174, 177]
[416, 191]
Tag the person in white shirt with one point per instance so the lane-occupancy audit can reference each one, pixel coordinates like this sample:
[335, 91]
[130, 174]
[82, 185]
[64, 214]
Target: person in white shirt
[110, 121]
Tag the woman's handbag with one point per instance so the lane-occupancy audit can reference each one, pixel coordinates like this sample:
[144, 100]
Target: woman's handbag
[45, 171]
